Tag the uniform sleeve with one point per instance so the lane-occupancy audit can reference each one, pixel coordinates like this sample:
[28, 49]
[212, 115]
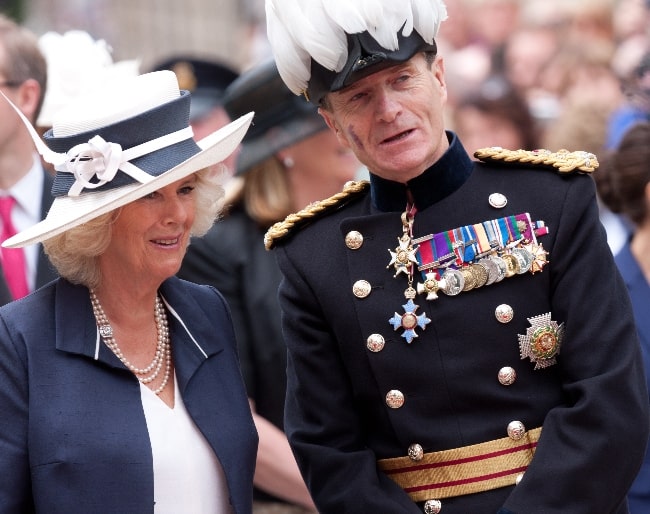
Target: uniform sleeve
[15, 490]
[321, 421]
[590, 448]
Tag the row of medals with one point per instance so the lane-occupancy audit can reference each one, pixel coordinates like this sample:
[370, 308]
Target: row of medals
[486, 271]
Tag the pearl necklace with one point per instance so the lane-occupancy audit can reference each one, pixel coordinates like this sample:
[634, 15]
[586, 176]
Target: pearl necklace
[163, 347]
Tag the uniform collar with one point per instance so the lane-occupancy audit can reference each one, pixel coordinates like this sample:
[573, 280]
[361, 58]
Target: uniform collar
[448, 174]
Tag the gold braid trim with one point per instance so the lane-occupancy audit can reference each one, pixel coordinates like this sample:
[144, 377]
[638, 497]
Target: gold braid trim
[282, 229]
[562, 160]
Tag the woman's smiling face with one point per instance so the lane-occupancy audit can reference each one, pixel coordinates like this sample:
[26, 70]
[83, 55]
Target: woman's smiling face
[150, 235]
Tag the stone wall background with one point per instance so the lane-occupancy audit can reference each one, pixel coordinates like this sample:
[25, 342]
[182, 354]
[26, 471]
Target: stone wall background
[231, 31]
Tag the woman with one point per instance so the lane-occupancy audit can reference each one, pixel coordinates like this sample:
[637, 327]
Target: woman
[624, 185]
[288, 160]
[119, 383]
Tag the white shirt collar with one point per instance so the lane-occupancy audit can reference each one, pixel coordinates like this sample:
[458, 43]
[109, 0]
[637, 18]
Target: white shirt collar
[28, 192]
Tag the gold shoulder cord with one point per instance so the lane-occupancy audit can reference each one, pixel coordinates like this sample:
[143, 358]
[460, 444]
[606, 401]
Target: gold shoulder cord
[281, 229]
[562, 160]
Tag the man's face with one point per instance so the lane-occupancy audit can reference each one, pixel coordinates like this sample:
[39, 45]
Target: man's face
[393, 119]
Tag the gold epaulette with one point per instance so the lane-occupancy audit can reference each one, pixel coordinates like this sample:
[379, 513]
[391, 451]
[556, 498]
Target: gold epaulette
[282, 229]
[562, 160]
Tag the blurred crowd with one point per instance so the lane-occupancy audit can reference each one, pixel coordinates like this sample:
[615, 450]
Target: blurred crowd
[552, 74]
[545, 73]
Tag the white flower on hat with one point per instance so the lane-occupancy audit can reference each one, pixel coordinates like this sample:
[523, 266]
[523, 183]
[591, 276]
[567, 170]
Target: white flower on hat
[301, 30]
[77, 64]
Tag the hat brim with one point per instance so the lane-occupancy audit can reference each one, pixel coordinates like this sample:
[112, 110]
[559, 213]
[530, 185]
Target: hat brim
[258, 149]
[68, 212]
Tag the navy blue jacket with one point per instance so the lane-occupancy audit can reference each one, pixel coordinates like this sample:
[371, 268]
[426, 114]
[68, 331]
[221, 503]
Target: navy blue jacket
[592, 403]
[637, 285]
[73, 436]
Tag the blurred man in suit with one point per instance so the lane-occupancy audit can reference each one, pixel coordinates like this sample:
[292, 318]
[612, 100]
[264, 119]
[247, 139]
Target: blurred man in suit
[24, 184]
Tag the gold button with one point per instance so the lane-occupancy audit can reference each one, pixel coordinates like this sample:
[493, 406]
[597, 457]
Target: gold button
[375, 343]
[504, 313]
[416, 452]
[507, 376]
[516, 430]
[361, 288]
[354, 240]
[432, 507]
[394, 399]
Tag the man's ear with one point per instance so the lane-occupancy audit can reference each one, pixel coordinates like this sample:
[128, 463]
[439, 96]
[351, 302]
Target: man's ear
[28, 98]
[439, 73]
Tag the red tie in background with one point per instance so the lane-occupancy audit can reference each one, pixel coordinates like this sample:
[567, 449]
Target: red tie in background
[13, 259]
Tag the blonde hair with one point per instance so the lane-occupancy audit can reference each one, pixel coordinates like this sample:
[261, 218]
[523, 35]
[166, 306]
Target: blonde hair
[75, 252]
[266, 193]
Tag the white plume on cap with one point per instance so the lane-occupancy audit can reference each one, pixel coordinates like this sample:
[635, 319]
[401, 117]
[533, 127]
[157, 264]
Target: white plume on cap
[301, 30]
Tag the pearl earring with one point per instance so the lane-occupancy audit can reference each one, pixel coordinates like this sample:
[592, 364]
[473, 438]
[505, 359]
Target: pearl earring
[288, 162]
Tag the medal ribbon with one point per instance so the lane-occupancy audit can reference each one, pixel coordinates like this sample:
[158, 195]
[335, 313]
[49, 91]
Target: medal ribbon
[470, 242]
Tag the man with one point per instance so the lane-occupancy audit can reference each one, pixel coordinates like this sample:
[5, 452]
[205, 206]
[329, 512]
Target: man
[459, 339]
[23, 181]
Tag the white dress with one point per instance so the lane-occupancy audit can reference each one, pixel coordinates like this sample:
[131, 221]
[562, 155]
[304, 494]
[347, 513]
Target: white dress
[188, 477]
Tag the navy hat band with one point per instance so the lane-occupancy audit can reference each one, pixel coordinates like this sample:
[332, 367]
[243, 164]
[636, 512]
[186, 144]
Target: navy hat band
[157, 140]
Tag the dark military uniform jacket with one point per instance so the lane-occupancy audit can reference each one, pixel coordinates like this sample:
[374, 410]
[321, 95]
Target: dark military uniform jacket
[358, 391]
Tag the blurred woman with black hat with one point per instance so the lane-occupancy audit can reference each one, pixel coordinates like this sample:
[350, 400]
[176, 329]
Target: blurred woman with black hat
[288, 160]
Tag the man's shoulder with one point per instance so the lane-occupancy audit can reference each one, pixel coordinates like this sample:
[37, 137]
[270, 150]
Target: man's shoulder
[563, 161]
[283, 230]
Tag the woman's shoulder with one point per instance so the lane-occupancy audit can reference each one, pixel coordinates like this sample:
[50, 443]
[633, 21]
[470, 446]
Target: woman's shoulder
[181, 290]
[190, 299]
[33, 306]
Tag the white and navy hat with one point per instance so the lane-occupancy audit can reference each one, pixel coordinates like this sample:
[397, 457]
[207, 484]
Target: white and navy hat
[326, 45]
[118, 144]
